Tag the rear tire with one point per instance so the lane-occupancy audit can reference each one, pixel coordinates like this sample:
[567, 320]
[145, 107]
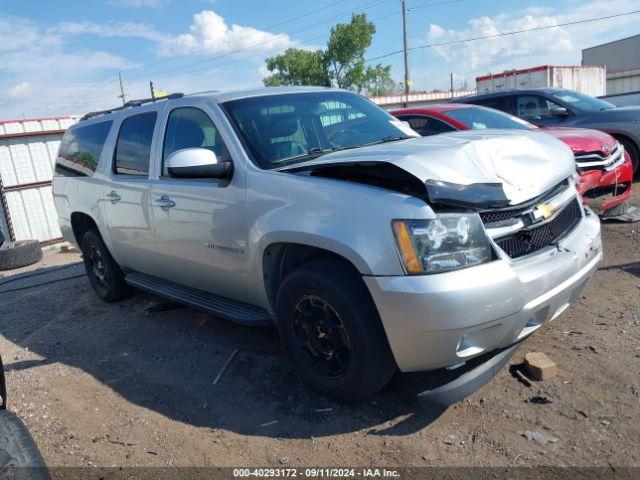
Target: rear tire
[19, 254]
[104, 274]
[332, 332]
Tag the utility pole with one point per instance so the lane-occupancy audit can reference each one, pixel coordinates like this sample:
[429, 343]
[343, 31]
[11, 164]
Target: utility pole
[406, 57]
[122, 95]
[153, 93]
[451, 86]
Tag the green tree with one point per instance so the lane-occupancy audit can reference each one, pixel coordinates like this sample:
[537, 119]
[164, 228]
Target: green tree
[378, 81]
[297, 67]
[341, 64]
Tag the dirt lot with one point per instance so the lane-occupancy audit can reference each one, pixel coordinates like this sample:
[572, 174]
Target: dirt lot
[104, 385]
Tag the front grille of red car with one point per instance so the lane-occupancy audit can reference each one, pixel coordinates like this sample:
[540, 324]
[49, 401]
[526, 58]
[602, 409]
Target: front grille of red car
[598, 160]
[530, 240]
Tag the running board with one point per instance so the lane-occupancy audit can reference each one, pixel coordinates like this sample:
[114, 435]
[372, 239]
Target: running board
[232, 310]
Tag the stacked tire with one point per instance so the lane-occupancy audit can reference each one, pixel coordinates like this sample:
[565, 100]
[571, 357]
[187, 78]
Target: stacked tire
[19, 254]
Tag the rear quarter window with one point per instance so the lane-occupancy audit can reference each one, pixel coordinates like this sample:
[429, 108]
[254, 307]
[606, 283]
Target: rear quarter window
[80, 150]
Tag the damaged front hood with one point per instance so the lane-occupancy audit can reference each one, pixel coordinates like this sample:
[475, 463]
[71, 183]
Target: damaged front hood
[524, 163]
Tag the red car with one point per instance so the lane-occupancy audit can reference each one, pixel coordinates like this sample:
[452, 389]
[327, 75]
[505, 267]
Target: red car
[605, 169]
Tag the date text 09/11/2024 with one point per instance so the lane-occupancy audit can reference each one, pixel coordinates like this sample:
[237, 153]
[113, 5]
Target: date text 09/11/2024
[316, 472]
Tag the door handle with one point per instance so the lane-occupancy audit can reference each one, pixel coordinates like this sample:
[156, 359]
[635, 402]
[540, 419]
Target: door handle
[113, 196]
[164, 202]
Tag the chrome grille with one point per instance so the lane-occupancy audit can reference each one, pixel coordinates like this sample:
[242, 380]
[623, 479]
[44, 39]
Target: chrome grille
[500, 215]
[598, 160]
[532, 239]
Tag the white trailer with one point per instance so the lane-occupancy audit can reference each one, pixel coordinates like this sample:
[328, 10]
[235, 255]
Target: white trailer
[28, 150]
[588, 80]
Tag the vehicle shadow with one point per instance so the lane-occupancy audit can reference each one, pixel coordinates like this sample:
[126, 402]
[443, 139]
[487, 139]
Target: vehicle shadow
[165, 357]
[632, 267]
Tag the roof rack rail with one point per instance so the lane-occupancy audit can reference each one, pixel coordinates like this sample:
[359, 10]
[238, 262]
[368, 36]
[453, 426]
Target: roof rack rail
[131, 103]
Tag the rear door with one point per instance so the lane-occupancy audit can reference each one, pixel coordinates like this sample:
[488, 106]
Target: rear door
[200, 223]
[124, 196]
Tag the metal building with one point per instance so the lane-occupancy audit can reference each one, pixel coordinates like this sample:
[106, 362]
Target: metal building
[28, 150]
[623, 54]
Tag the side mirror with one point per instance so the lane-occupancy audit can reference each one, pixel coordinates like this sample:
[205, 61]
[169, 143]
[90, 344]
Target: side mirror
[559, 112]
[197, 163]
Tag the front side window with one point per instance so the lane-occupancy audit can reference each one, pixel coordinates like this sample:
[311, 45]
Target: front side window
[534, 107]
[133, 149]
[279, 130]
[190, 127]
[426, 125]
[80, 150]
[478, 118]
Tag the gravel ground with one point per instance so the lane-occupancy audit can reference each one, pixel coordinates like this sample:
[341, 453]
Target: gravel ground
[131, 384]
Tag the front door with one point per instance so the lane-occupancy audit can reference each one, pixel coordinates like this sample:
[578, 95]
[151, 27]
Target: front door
[200, 223]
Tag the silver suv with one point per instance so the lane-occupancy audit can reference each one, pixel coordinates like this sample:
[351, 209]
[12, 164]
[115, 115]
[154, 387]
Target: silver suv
[370, 249]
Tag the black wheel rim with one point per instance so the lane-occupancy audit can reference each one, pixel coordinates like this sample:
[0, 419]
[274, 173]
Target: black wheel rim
[321, 336]
[98, 269]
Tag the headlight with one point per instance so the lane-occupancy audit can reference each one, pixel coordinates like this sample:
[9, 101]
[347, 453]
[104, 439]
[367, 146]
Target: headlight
[449, 242]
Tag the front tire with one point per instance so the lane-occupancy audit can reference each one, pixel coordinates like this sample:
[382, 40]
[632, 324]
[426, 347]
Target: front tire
[632, 150]
[332, 332]
[104, 274]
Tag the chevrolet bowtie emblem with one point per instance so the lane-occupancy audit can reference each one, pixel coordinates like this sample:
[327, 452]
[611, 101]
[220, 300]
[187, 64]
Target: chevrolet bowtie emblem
[543, 211]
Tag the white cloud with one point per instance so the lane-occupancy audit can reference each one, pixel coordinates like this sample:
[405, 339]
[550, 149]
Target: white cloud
[113, 29]
[435, 31]
[20, 90]
[483, 54]
[139, 3]
[42, 75]
[549, 46]
[209, 33]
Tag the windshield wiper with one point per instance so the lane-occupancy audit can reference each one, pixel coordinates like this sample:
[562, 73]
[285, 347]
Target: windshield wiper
[312, 153]
[390, 138]
[316, 152]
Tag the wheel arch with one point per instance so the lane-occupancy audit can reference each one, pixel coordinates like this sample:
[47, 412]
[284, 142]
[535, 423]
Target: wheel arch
[279, 258]
[81, 223]
[626, 138]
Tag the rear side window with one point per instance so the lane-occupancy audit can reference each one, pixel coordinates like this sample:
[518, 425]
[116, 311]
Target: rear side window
[498, 103]
[133, 149]
[80, 150]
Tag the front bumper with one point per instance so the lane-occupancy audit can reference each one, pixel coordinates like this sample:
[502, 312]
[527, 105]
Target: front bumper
[434, 321]
[604, 189]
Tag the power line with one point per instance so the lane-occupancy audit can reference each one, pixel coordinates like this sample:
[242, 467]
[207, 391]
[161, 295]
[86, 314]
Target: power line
[271, 27]
[455, 42]
[427, 5]
[363, 6]
[210, 67]
[109, 80]
[180, 70]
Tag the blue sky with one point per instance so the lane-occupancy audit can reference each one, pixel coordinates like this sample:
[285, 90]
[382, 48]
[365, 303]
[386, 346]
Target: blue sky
[63, 57]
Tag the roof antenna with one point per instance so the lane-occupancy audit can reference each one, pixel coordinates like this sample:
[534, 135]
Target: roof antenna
[153, 93]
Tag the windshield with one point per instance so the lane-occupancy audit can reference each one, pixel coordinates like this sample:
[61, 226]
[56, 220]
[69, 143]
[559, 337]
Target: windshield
[477, 118]
[284, 129]
[582, 101]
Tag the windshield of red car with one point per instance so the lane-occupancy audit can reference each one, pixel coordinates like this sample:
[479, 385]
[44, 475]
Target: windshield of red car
[478, 118]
